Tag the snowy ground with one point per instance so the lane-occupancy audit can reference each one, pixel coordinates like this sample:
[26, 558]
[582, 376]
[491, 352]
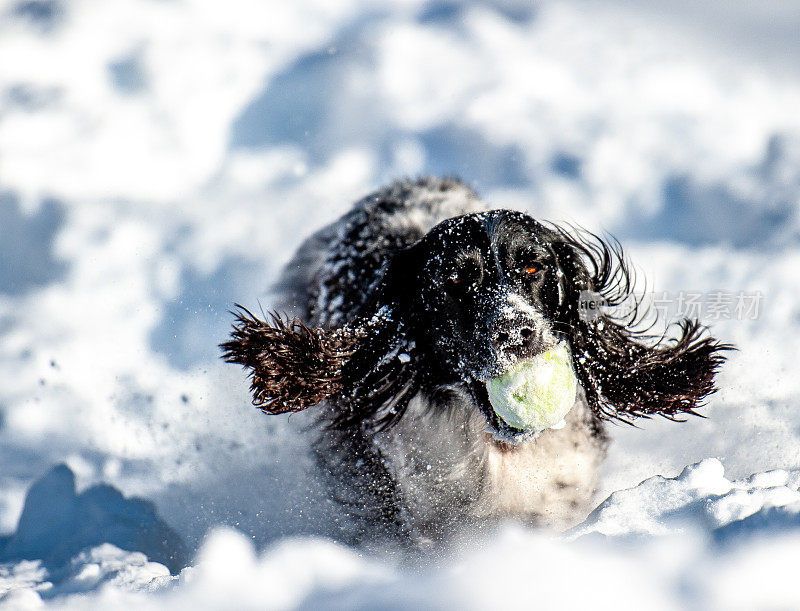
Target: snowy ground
[160, 160]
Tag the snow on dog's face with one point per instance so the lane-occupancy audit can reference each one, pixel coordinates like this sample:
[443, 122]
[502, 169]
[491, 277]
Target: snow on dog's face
[488, 292]
[488, 297]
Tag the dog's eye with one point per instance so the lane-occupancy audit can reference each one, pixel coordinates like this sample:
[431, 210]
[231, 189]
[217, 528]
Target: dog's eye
[529, 269]
[464, 275]
[459, 277]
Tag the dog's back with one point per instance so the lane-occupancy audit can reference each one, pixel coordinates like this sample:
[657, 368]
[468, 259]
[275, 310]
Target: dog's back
[331, 275]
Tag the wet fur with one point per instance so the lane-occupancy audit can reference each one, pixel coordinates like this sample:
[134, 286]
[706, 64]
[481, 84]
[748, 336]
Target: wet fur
[291, 366]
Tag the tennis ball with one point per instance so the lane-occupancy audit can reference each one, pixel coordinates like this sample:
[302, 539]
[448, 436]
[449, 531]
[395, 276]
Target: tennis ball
[535, 393]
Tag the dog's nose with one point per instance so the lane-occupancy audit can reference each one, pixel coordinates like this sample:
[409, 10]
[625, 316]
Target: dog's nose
[509, 339]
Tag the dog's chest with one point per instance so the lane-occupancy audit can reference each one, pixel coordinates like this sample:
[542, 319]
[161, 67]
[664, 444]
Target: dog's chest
[448, 470]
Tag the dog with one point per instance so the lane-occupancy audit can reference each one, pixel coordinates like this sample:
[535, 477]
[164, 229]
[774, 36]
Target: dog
[401, 312]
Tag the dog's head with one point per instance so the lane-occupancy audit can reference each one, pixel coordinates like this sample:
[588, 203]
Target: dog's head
[471, 298]
[487, 291]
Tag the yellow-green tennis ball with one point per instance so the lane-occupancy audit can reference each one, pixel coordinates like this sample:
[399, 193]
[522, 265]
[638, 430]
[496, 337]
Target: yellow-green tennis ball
[536, 393]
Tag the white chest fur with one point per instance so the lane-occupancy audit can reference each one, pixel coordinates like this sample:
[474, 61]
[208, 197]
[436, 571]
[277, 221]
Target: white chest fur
[449, 471]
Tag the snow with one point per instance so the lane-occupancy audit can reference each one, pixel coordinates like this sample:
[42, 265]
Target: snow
[160, 161]
[56, 524]
[667, 543]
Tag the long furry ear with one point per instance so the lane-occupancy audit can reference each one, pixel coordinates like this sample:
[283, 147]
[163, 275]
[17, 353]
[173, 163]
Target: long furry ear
[365, 369]
[291, 366]
[627, 373]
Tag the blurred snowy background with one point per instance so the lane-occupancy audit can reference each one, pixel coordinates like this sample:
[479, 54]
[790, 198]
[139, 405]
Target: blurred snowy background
[161, 159]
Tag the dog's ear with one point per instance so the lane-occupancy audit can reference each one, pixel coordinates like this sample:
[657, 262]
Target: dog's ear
[625, 372]
[291, 366]
[364, 369]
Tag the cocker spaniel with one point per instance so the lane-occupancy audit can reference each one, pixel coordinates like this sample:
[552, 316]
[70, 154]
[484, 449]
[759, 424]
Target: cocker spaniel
[403, 310]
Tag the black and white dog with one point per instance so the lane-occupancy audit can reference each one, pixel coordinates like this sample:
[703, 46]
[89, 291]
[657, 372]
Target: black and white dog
[405, 307]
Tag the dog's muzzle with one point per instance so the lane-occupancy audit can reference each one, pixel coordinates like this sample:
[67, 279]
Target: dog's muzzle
[516, 331]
